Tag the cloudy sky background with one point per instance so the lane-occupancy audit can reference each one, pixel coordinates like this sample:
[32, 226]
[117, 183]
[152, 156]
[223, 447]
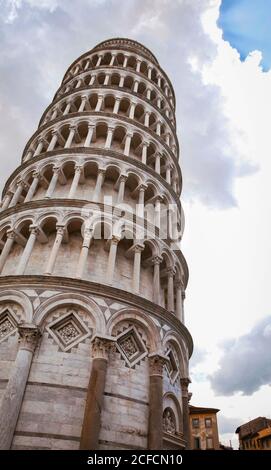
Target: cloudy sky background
[220, 68]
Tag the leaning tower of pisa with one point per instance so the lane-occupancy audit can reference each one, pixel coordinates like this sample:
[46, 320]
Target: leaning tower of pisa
[93, 347]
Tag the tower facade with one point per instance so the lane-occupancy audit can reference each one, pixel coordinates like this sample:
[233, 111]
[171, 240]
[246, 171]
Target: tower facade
[93, 347]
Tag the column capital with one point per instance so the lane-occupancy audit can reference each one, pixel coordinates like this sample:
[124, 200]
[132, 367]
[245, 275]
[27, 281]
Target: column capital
[56, 170]
[34, 229]
[11, 234]
[138, 248]
[60, 229]
[143, 187]
[91, 125]
[171, 271]
[129, 134]
[123, 178]
[36, 174]
[185, 381]
[101, 171]
[29, 334]
[72, 127]
[179, 284]
[157, 259]
[101, 346]
[78, 168]
[115, 239]
[156, 363]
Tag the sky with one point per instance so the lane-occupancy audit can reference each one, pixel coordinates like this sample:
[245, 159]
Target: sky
[219, 64]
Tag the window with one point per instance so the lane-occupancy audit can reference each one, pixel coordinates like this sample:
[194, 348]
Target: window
[196, 443]
[208, 422]
[209, 443]
[195, 422]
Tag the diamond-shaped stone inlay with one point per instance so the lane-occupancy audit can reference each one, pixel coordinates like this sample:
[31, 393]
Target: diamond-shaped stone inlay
[172, 365]
[68, 331]
[7, 325]
[131, 346]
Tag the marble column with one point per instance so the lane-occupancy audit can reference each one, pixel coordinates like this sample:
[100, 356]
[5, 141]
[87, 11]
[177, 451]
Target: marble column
[155, 427]
[168, 175]
[17, 194]
[32, 189]
[83, 104]
[185, 402]
[84, 254]
[99, 103]
[27, 250]
[70, 137]
[141, 200]
[6, 250]
[13, 395]
[116, 106]
[137, 265]
[109, 137]
[112, 259]
[179, 301]
[94, 403]
[156, 261]
[127, 144]
[170, 289]
[144, 152]
[53, 183]
[75, 181]
[39, 147]
[132, 110]
[53, 142]
[158, 163]
[89, 135]
[53, 255]
[99, 184]
[122, 181]
[6, 200]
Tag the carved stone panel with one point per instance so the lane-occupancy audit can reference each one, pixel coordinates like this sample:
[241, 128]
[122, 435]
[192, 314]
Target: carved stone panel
[68, 331]
[7, 325]
[131, 347]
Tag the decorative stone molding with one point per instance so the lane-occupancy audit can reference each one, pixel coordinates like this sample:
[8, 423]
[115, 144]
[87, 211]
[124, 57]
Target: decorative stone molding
[185, 381]
[68, 331]
[101, 346]
[29, 335]
[131, 347]
[156, 363]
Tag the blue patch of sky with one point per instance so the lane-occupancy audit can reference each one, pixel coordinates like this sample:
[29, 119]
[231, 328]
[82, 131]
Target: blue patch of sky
[246, 25]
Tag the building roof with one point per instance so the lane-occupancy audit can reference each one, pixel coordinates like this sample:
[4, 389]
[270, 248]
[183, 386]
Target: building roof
[253, 426]
[200, 409]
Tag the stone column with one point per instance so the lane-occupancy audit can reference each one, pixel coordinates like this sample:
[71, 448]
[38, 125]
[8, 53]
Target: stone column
[121, 83]
[75, 181]
[147, 119]
[137, 264]
[94, 403]
[70, 137]
[27, 250]
[122, 181]
[99, 60]
[112, 259]
[148, 93]
[135, 86]
[127, 144]
[138, 64]
[112, 60]
[99, 103]
[54, 115]
[67, 109]
[158, 163]
[6, 250]
[57, 243]
[144, 152]
[158, 201]
[168, 175]
[179, 301]
[39, 147]
[185, 402]
[89, 135]
[116, 106]
[156, 261]
[170, 290]
[53, 141]
[87, 64]
[92, 80]
[141, 200]
[125, 61]
[84, 254]
[109, 137]
[132, 110]
[33, 187]
[83, 104]
[99, 184]
[53, 182]
[155, 431]
[158, 128]
[6, 200]
[13, 396]
[149, 71]
[17, 194]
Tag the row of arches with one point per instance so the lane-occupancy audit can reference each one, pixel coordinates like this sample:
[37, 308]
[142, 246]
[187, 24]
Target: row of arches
[96, 250]
[127, 82]
[127, 61]
[88, 180]
[115, 104]
[83, 132]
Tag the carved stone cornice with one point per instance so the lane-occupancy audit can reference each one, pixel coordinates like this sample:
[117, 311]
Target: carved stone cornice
[29, 336]
[185, 381]
[101, 346]
[156, 363]
[95, 288]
